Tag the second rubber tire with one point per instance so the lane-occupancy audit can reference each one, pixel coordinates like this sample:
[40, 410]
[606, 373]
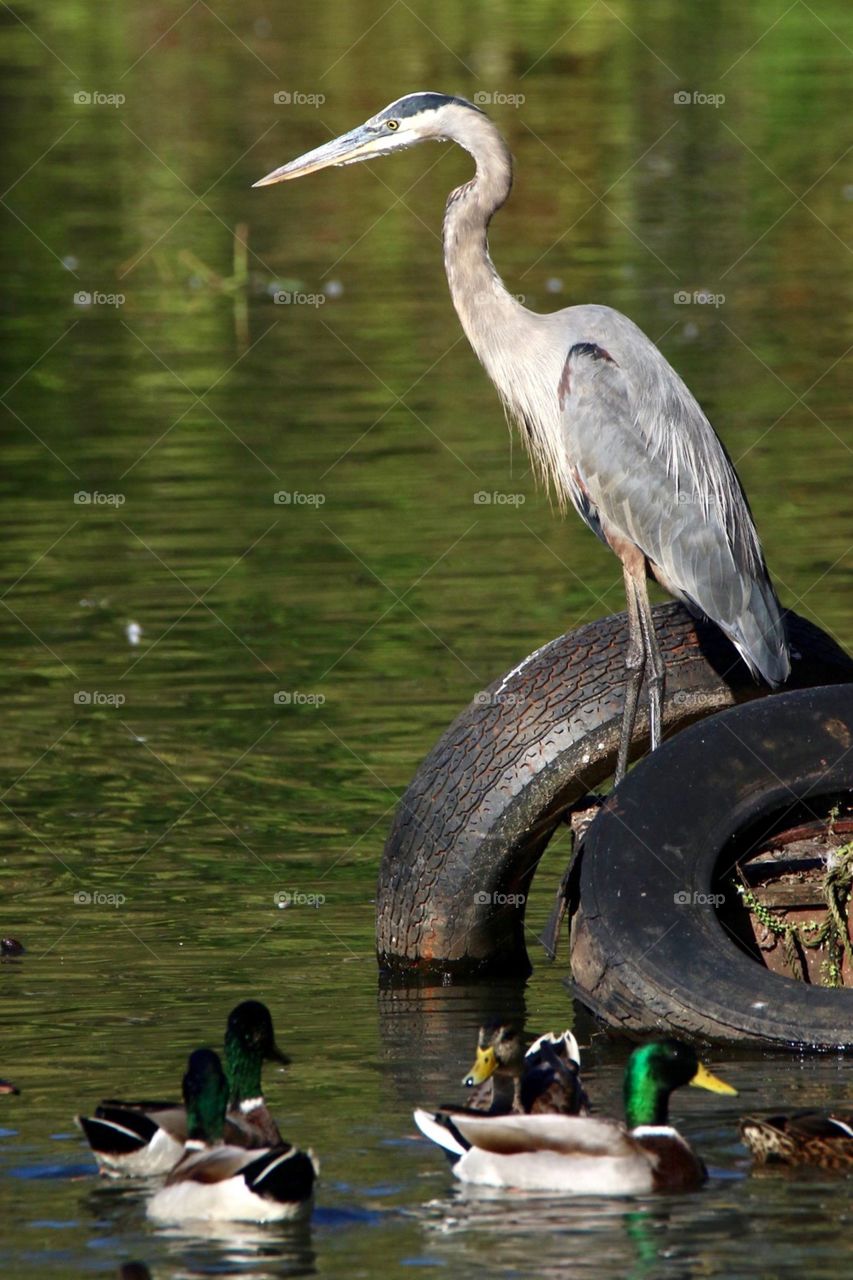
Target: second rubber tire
[649, 950]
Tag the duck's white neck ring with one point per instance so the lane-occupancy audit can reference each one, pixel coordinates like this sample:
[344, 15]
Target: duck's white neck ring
[251, 1104]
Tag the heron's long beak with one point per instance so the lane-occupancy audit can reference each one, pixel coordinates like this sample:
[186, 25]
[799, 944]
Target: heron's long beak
[358, 144]
[703, 1079]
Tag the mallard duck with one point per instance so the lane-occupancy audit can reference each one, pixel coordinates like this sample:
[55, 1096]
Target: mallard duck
[582, 1154]
[543, 1080]
[146, 1138]
[806, 1137]
[214, 1180]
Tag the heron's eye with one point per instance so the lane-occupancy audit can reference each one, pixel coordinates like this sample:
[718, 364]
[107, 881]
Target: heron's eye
[392, 124]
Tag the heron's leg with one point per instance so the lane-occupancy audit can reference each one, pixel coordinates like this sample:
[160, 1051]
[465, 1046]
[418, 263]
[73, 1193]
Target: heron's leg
[635, 658]
[657, 675]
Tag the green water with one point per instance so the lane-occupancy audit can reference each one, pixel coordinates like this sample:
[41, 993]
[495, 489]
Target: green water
[156, 797]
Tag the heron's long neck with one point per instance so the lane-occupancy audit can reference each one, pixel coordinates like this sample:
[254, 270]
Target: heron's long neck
[479, 295]
[507, 338]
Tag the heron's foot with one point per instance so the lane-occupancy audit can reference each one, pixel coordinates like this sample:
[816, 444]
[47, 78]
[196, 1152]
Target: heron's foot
[578, 817]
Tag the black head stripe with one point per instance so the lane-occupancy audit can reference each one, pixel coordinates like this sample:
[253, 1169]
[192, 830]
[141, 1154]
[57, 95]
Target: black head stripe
[414, 103]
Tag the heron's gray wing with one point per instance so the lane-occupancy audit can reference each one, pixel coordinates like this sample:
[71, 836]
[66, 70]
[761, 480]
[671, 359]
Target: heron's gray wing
[649, 468]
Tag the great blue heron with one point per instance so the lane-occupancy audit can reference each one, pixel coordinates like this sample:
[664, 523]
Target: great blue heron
[606, 420]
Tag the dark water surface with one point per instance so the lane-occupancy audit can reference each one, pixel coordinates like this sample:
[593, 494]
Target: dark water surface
[157, 796]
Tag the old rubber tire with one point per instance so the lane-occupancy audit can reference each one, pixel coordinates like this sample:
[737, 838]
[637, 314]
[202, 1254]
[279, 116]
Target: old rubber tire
[648, 947]
[476, 819]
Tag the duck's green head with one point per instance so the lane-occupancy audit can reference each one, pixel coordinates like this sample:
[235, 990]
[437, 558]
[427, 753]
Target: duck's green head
[249, 1042]
[205, 1096]
[500, 1048]
[654, 1070]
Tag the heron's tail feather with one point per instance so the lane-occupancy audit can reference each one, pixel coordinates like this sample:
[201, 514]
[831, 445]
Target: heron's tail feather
[759, 635]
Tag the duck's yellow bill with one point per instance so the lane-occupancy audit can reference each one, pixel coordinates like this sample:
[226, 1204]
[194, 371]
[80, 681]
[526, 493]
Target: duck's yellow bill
[703, 1079]
[483, 1068]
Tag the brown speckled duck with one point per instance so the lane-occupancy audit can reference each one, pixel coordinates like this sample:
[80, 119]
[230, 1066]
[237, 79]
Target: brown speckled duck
[818, 1138]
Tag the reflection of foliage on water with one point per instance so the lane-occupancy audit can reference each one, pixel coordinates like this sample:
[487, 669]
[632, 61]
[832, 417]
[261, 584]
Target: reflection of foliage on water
[640, 1228]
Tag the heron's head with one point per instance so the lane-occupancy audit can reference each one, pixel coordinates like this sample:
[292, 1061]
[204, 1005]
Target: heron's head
[415, 118]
